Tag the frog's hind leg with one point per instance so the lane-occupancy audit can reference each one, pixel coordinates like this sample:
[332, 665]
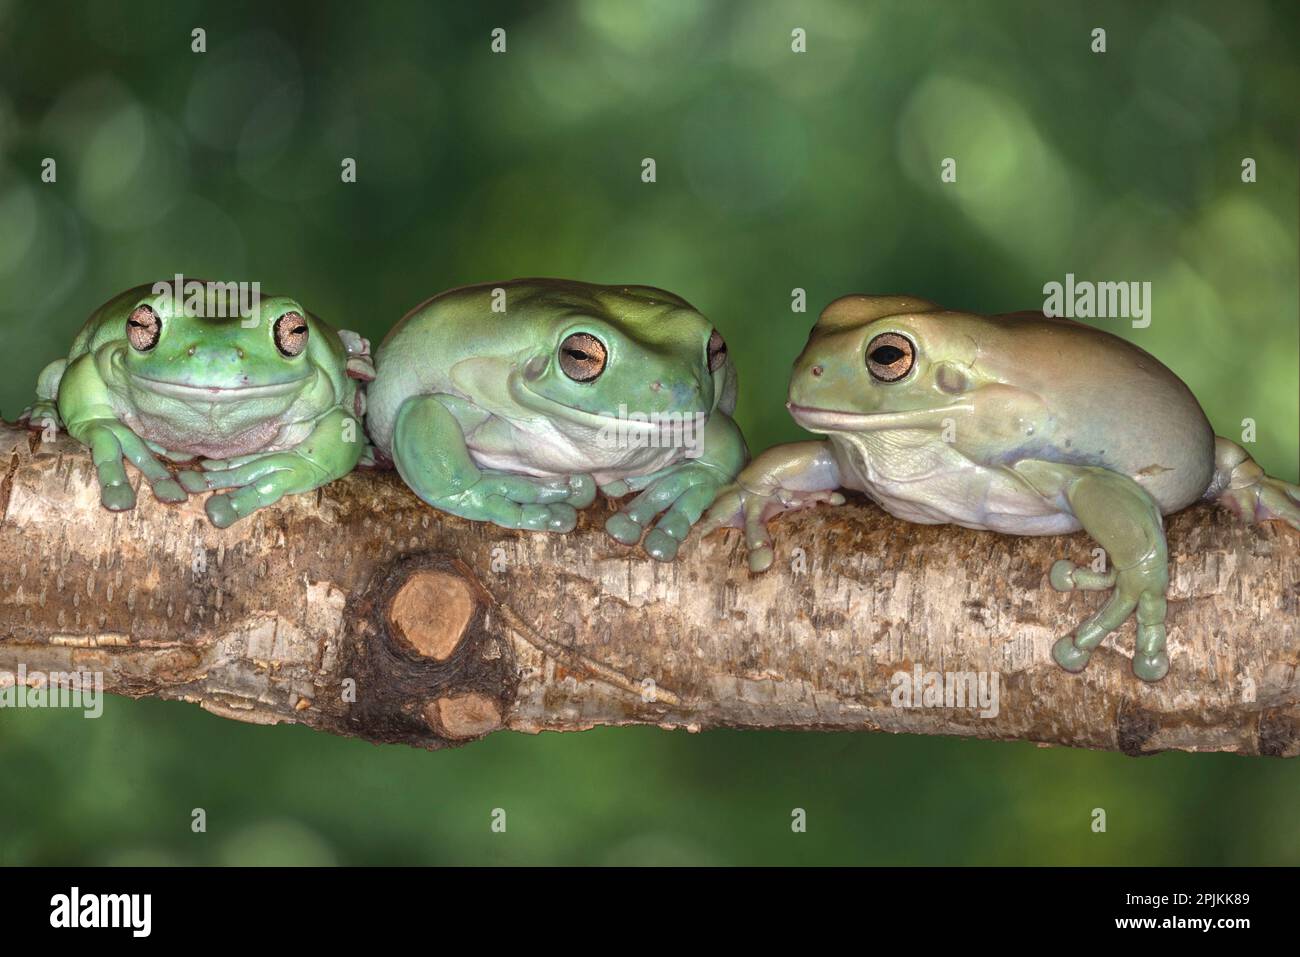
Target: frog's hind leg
[43, 414]
[1241, 486]
[431, 456]
[1125, 520]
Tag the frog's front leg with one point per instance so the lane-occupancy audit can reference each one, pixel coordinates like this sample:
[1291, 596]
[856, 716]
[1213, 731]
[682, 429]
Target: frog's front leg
[681, 492]
[330, 451]
[783, 478]
[85, 407]
[430, 453]
[1126, 522]
[110, 442]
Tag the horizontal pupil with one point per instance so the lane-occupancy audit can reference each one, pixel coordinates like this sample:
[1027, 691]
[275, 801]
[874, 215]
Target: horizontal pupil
[887, 355]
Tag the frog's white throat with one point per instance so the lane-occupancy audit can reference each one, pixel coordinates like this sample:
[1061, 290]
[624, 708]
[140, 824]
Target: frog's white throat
[546, 437]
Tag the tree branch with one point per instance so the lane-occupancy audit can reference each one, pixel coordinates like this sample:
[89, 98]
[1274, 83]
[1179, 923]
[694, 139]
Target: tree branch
[358, 610]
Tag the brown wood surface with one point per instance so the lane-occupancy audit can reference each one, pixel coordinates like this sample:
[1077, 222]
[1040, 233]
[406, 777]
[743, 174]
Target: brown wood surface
[359, 610]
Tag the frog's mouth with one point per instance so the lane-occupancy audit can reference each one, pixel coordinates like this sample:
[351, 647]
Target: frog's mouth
[643, 425]
[205, 393]
[830, 420]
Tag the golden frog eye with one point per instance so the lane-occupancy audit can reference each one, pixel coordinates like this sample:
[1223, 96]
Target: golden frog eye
[582, 357]
[890, 356]
[291, 334]
[143, 327]
[717, 351]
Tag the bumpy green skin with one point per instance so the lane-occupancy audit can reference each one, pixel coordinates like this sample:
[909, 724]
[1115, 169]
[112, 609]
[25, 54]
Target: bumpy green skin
[1020, 424]
[212, 391]
[472, 405]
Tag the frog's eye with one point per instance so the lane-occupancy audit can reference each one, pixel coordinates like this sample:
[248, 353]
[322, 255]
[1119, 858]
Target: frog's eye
[291, 334]
[717, 351]
[582, 357]
[143, 327]
[890, 356]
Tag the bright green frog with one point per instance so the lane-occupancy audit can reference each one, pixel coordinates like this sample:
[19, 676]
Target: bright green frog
[1006, 423]
[513, 402]
[266, 401]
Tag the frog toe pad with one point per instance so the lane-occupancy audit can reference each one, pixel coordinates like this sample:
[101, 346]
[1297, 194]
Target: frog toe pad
[661, 546]
[192, 481]
[117, 497]
[1069, 656]
[220, 511]
[1067, 576]
[556, 517]
[1151, 667]
[169, 490]
[623, 529]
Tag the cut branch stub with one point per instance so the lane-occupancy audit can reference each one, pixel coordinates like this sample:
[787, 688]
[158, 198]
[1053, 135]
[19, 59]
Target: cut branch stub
[431, 611]
[429, 668]
[464, 716]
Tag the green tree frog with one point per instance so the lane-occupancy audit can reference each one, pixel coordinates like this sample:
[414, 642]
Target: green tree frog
[266, 403]
[514, 402]
[1006, 423]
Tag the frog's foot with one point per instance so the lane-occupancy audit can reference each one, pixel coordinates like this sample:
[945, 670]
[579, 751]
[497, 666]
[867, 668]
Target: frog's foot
[202, 475]
[225, 510]
[518, 501]
[234, 462]
[172, 457]
[1125, 520]
[369, 459]
[110, 443]
[192, 480]
[42, 416]
[1141, 588]
[258, 481]
[1240, 485]
[1265, 499]
[751, 509]
[681, 495]
[582, 490]
[262, 479]
[170, 491]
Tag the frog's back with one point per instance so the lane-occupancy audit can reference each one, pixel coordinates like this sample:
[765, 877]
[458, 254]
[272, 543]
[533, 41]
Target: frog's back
[107, 323]
[418, 353]
[1109, 403]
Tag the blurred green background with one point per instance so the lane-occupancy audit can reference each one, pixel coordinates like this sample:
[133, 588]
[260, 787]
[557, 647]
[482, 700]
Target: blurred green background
[776, 170]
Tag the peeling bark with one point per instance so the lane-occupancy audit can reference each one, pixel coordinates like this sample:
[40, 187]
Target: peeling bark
[358, 610]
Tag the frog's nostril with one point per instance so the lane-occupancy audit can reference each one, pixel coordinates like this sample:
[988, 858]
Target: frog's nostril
[191, 350]
[656, 386]
[239, 353]
[816, 370]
